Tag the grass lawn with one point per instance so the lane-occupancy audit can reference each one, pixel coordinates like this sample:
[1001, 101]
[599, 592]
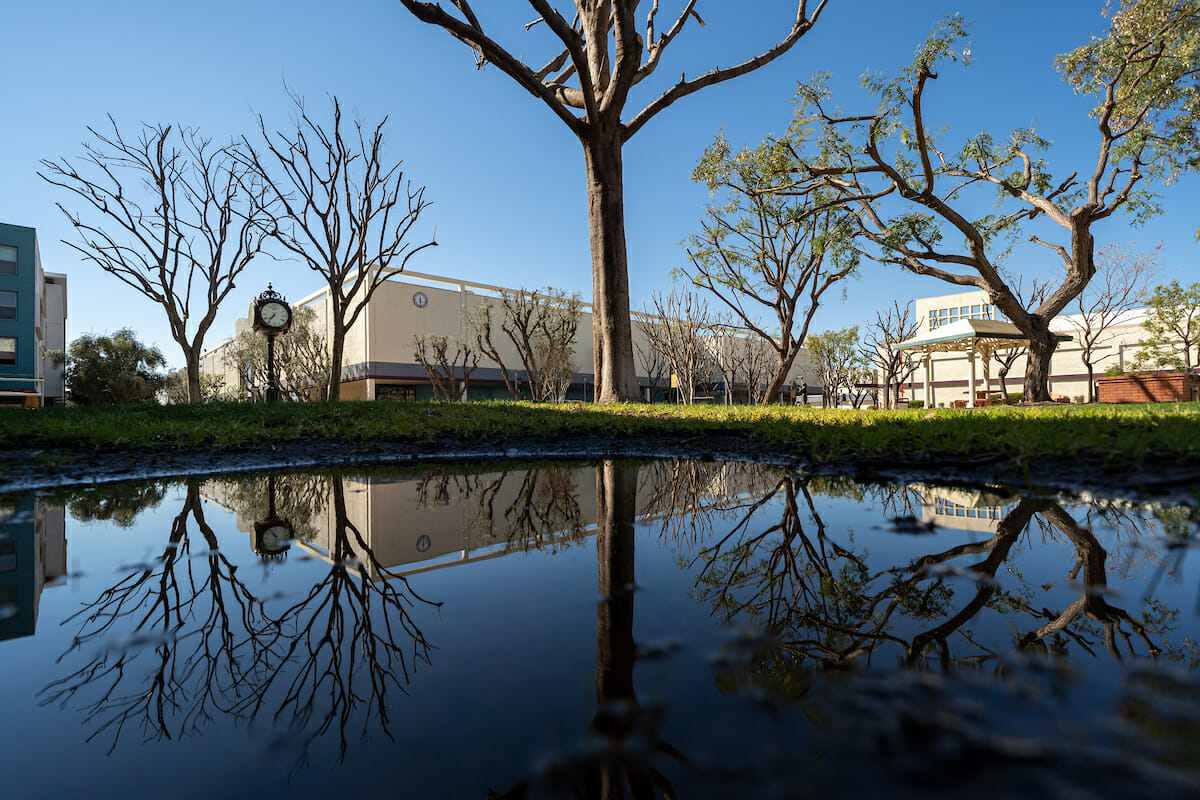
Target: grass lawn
[1133, 433]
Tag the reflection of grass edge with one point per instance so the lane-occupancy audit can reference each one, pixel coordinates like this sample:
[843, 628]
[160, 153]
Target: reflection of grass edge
[1130, 432]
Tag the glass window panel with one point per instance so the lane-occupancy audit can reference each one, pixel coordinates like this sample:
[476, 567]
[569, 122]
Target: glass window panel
[8, 350]
[8, 260]
[8, 305]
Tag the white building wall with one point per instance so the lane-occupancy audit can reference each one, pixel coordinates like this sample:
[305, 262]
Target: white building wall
[1068, 372]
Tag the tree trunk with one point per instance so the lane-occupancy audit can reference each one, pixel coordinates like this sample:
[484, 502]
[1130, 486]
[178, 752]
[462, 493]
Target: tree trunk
[776, 384]
[336, 347]
[1042, 344]
[1091, 394]
[192, 357]
[616, 501]
[612, 341]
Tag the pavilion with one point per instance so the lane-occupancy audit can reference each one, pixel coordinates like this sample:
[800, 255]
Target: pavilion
[974, 337]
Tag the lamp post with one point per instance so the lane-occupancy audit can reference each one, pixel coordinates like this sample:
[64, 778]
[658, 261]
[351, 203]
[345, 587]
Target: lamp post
[272, 316]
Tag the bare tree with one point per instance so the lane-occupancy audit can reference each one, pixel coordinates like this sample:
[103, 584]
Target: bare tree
[1006, 359]
[448, 375]
[764, 252]
[349, 211]
[480, 327]
[679, 334]
[653, 363]
[586, 82]
[726, 356]
[1146, 119]
[1123, 277]
[170, 215]
[891, 327]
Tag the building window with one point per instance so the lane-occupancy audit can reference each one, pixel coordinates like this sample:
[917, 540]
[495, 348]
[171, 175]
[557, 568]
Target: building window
[8, 305]
[944, 316]
[8, 350]
[8, 260]
[404, 393]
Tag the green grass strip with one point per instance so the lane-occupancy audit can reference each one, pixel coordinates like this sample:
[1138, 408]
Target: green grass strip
[1118, 433]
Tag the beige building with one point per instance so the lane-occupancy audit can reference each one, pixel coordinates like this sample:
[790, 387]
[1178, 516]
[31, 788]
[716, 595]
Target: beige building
[379, 361]
[950, 372]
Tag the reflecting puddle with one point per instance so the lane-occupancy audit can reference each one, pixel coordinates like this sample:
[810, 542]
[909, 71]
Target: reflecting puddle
[666, 629]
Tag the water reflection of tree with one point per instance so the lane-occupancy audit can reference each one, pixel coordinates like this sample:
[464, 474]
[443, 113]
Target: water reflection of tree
[184, 623]
[689, 497]
[818, 599]
[623, 758]
[183, 640]
[120, 503]
[303, 497]
[344, 646]
[544, 511]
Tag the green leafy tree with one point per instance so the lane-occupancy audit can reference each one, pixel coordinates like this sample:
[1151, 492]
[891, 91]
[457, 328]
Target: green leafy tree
[175, 387]
[1174, 328]
[839, 361]
[108, 370]
[1143, 75]
[766, 254]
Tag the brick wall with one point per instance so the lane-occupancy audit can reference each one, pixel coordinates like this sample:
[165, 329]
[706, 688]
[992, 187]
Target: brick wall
[1166, 387]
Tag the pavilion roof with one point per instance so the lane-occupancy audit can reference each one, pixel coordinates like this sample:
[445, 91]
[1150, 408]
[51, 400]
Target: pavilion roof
[971, 334]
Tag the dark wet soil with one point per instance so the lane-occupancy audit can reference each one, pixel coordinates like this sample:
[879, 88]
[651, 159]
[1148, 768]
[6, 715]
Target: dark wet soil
[36, 469]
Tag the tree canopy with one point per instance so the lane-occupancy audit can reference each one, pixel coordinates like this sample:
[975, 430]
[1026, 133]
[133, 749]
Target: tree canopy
[108, 370]
[917, 201]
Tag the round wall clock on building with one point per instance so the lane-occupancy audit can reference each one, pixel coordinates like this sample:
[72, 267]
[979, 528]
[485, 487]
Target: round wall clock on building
[420, 300]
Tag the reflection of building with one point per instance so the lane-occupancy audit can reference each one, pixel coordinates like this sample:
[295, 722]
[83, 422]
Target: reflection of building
[379, 361]
[33, 554]
[417, 522]
[964, 509]
[33, 312]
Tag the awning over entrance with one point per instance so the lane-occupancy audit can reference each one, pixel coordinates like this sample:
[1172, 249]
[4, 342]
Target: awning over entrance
[972, 336]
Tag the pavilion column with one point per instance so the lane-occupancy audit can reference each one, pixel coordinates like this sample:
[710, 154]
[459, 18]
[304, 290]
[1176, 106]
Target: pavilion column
[928, 379]
[971, 379]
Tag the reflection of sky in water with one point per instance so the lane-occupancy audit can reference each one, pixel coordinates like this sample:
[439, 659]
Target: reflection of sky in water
[511, 678]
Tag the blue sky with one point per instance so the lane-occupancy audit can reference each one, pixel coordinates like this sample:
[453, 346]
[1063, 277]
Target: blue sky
[504, 175]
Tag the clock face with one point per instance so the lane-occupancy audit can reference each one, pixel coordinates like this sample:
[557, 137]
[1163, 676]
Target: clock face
[276, 537]
[419, 299]
[274, 314]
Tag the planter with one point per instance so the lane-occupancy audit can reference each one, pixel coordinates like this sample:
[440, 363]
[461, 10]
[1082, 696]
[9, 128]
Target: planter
[1150, 387]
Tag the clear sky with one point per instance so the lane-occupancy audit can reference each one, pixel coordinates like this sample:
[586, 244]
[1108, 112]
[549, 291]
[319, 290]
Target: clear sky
[505, 176]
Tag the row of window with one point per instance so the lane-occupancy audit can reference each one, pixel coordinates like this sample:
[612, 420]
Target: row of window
[944, 316]
[8, 304]
[8, 260]
[947, 509]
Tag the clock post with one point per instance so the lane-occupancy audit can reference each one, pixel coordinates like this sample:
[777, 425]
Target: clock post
[272, 316]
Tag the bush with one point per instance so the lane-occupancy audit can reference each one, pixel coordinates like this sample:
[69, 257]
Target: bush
[916, 403]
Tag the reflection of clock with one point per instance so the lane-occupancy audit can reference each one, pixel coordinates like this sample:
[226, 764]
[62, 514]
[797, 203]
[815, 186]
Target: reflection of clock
[420, 300]
[272, 536]
[423, 544]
